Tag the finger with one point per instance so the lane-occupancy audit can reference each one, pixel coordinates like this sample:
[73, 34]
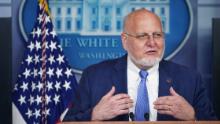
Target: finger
[120, 96]
[173, 92]
[125, 101]
[110, 93]
[125, 106]
[167, 112]
[123, 111]
[168, 100]
[120, 112]
[162, 107]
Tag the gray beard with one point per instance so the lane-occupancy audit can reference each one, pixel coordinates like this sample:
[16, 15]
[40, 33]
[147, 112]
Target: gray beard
[147, 62]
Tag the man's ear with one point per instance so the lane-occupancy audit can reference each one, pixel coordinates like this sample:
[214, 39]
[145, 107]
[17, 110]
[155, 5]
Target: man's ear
[124, 40]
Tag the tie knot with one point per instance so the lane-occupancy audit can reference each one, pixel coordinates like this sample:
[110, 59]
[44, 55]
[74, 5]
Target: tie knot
[143, 74]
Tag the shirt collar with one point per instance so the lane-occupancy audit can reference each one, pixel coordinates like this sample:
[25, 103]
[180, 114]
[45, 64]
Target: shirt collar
[135, 69]
[132, 67]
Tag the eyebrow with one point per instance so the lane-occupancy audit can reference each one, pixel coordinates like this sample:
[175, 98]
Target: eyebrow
[144, 33]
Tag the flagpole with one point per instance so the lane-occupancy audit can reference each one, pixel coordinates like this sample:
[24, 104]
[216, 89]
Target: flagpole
[44, 69]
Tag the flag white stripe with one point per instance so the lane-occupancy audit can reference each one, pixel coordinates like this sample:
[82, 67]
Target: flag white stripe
[16, 116]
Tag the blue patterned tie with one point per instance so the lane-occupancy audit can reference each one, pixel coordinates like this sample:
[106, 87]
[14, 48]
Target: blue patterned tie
[142, 103]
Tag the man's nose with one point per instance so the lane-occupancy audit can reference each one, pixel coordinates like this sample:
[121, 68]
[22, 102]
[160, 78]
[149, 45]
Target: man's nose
[151, 41]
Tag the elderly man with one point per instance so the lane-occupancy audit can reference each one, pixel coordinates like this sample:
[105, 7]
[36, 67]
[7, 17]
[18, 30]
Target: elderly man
[140, 85]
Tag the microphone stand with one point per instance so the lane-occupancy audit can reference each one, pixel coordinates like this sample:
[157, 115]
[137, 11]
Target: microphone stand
[131, 115]
[146, 116]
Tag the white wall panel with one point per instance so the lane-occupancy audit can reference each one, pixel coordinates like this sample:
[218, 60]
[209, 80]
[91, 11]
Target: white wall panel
[208, 1]
[5, 11]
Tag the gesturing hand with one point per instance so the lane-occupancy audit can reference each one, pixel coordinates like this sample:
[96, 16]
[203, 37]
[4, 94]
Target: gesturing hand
[111, 106]
[175, 105]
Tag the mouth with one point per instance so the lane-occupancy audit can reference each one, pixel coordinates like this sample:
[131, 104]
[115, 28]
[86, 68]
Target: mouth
[151, 52]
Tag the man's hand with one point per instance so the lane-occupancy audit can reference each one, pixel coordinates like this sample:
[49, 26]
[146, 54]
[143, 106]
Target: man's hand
[111, 106]
[175, 105]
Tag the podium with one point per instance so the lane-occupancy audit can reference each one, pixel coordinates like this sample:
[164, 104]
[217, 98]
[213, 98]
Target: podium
[146, 122]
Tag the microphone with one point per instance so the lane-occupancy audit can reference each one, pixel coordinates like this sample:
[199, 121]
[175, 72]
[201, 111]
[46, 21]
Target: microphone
[131, 115]
[146, 116]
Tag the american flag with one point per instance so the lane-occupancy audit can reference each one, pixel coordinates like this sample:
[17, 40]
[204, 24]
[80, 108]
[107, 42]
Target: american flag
[46, 84]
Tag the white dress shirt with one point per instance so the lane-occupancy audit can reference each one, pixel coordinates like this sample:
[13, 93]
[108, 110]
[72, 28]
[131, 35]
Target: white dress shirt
[152, 84]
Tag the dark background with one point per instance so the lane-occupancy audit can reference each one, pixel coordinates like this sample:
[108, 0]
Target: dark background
[216, 64]
[5, 70]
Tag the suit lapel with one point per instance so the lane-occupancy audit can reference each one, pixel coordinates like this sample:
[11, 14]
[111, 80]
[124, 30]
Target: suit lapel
[165, 82]
[119, 79]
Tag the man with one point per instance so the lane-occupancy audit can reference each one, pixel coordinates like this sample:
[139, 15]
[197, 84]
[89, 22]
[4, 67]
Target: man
[113, 90]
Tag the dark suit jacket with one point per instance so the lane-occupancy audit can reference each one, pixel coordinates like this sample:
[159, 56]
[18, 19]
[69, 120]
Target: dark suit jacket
[98, 79]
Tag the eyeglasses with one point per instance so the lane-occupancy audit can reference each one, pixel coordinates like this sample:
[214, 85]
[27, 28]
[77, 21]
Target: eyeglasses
[146, 36]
